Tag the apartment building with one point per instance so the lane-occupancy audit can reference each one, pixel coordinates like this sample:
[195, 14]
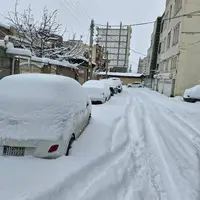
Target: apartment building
[178, 53]
[143, 65]
[116, 40]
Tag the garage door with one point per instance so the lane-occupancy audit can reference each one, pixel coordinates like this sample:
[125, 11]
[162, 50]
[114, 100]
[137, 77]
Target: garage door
[160, 86]
[167, 90]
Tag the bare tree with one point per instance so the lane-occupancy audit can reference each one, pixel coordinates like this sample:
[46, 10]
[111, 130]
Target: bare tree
[37, 35]
[48, 30]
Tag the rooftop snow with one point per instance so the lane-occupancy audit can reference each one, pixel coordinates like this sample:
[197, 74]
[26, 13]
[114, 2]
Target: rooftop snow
[9, 45]
[120, 74]
[19, 52]
[53, 62]
[4, 25]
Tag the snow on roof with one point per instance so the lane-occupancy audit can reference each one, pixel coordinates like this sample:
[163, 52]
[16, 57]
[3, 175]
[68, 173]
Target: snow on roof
[53, 62]
[9, 44]
[19, 52]
[4, 25]
[120, 74]
[93, 83]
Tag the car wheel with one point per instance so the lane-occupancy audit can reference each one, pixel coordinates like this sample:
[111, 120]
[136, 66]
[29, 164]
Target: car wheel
[72, 139]
[89, 118]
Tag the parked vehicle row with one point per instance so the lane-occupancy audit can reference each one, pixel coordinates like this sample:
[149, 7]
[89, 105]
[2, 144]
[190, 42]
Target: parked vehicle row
[41, 114]
[101, 91]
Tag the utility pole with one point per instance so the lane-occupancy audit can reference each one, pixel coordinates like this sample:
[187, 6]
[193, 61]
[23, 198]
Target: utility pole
[90, 50]
[106, 49]
[119, 43]
[106, 64]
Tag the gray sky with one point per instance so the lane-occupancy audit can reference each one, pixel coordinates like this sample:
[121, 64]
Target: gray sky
[75, 16]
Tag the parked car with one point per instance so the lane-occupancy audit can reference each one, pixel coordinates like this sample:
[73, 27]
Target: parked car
[111, 85]
[192, 95]
[41, 114]
[97, 90]
[118, 84]
[135, 85]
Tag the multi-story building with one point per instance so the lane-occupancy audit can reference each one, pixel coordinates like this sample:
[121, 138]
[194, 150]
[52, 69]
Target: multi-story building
[117, 42]
[152, 54]
[178, 52]
[143, 65]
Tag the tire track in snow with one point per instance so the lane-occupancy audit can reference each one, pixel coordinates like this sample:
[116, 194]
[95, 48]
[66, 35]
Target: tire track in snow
[164, 137]
[144, 168]
[188, 130]
[90, 174]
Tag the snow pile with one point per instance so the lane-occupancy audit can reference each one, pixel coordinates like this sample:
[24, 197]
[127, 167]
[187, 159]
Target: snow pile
[178, 98]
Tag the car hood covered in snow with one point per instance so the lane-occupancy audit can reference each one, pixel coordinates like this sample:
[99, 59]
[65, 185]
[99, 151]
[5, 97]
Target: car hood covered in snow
[193, 92]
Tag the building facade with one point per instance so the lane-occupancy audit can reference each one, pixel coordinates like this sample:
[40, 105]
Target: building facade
[117, 42]
[178, 52]
[143, 65]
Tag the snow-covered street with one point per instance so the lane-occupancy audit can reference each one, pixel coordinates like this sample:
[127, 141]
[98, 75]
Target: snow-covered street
[140, 145]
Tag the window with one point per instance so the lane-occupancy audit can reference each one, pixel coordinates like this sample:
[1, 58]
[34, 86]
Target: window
[165, 21]
[162, 26]
[169, 40]
[170, 13]
[163, 45]
[176, 34]
[159, 48]
[178, 6]
[174, 62]
[167, 2]
[167, 65]
[161, 66]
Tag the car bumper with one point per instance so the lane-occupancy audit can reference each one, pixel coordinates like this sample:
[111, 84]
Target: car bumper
[190, 100]
[36, 148]
[97, 99]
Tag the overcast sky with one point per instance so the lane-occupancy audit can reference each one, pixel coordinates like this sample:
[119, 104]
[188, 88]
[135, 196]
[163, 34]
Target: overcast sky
[75, 16]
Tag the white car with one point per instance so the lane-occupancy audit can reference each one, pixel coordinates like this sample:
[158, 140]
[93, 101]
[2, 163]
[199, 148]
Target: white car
[41, 114]
[110, 85]
[192, 95]
[118, 84]
[97, 90]
[135, 85]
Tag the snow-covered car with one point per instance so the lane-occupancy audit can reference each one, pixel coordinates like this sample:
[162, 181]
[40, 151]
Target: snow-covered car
[118, 84]
[41, 114]
[110, 84]
[135, 85]
[192, 95]
[97, 91]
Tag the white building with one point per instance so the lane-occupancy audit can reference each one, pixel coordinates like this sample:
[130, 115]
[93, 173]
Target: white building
[117, 42]
[143, 66]
[179, 49]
